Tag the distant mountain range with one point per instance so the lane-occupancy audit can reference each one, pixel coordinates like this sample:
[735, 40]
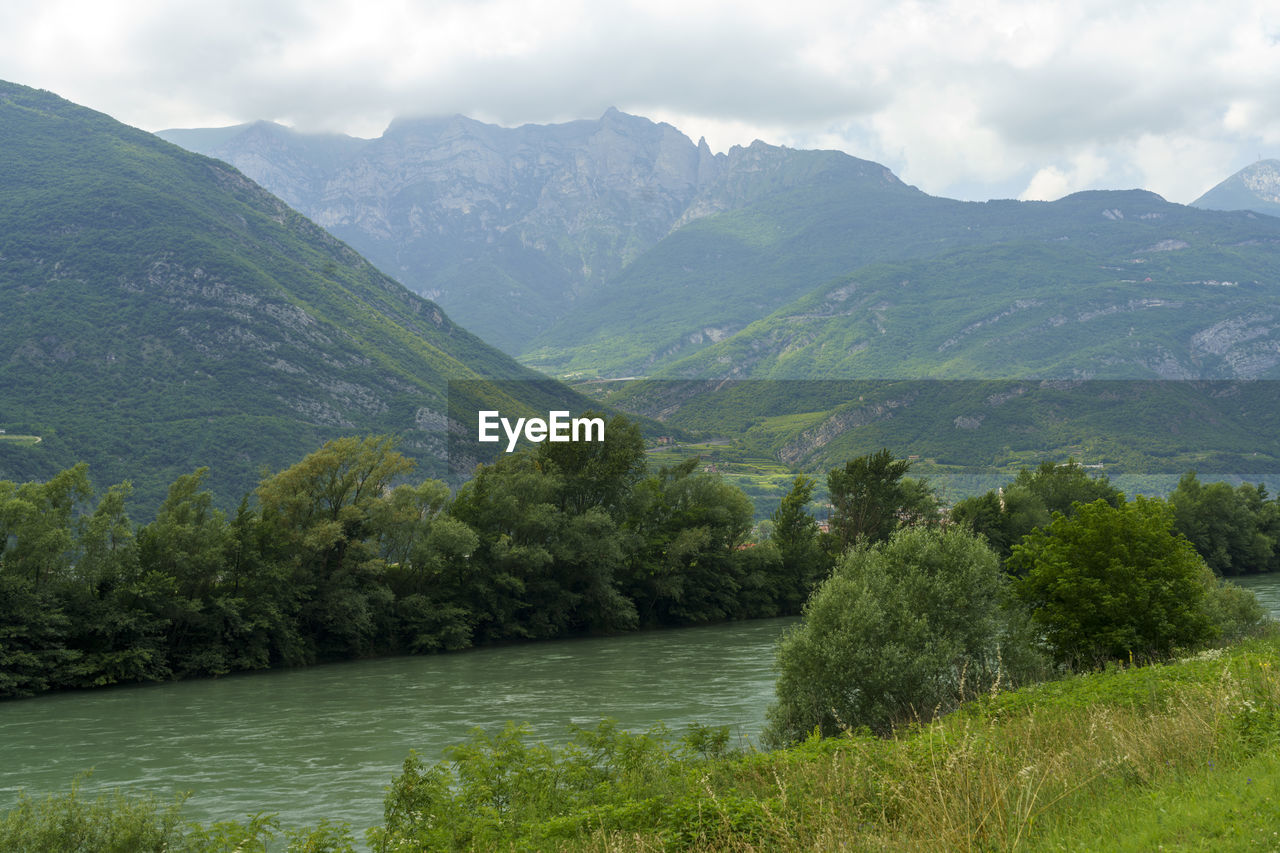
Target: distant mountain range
[619, 247]
[509, 228]
[163, 312]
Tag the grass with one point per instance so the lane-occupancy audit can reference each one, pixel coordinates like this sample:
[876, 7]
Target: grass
[1235, 809]
[1177, 756]
[23, 440]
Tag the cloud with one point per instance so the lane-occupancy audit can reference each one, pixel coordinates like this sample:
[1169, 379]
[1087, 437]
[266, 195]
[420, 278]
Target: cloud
[976, 100]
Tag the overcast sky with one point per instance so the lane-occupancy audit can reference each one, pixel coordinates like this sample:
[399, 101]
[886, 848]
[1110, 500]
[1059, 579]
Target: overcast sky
[962, 98]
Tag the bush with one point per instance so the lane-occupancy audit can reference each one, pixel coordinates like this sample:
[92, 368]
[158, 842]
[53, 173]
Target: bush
[1114, 583]
[111, 824]
[901, 630]
[1233, 610]
[503, 791]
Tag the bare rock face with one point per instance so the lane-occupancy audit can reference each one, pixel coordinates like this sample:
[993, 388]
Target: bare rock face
[476, 215]
[505, 227]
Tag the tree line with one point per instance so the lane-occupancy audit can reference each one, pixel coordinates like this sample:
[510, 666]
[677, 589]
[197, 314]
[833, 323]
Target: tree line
[342, 555]
[1056, 572]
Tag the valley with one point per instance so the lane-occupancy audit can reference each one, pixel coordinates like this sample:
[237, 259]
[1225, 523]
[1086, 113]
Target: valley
[770, 321]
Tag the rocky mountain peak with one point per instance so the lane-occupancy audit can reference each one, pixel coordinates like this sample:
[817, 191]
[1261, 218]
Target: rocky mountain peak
[1256, 187]
[1263, 180]
[509, 228]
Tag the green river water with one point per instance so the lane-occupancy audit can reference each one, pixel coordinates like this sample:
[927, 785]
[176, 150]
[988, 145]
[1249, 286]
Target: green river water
[323, 742]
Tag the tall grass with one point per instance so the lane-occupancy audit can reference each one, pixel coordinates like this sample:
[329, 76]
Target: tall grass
[1008, 773]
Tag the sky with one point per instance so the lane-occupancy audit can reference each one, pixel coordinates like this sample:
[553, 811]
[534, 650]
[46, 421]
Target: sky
[962, 98]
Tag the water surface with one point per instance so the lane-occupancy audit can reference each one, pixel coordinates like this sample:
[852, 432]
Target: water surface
[1266, 587]
[323, 742]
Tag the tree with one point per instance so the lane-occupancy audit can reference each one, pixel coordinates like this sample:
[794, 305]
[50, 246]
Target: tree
[871, 498]
[37, 533]
[1060, 487]
[597, 474]
[108, 546]
[795, 534]
[540, 569]
[685, 529]
[320, 514]
[1233, 529]
[1029, 502]
[1111, 582]
[322, 504]
[189, 539]
[902, 628]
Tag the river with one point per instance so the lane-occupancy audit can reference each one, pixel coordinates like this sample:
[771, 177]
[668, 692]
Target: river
[324, 741]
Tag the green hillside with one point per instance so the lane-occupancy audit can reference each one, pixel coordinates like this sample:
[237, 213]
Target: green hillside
[163, 312]
[972, 435]
[1156, 291]
[851, 278]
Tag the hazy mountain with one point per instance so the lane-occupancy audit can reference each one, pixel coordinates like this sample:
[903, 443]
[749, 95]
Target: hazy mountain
[1255, 187]
[505, 227]
[162, 312]
[617, 247]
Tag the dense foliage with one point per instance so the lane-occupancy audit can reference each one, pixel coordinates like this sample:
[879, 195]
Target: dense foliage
[1057, 566]
[1114, 581]
[338, 556]
[871, 496]
[906, 627]
[1236, 530]
[1031, 501]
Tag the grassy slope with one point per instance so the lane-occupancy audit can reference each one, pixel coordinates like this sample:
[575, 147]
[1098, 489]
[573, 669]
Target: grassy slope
[1180, 755]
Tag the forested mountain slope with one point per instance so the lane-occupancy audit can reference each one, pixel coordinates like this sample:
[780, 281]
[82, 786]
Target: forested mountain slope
[163, 312]
[1115, 285]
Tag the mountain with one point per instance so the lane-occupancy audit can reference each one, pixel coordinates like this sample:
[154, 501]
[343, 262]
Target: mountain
[768, 263]
[163, 312]
[619, 248]
[1255, 187]
[1098, 285]
[1123, 294]
[528, 235]
[506, 227]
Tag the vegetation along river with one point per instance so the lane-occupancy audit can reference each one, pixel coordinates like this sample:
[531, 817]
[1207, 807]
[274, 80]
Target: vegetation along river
[323, 742]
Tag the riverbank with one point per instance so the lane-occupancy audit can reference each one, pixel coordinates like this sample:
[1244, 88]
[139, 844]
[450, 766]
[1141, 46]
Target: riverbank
[1182, 755]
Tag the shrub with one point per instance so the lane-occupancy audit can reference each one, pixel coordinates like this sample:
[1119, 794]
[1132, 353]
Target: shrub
[901, 630]
[1114, 583]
